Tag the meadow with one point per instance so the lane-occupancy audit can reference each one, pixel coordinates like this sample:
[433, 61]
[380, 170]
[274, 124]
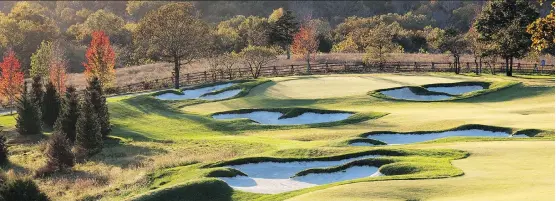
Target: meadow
[173, 150]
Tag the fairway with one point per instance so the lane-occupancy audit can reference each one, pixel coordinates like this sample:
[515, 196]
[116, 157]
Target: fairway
[494, 171]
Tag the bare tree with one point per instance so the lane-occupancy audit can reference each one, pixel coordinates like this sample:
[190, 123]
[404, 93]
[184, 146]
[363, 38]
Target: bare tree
[255, 57]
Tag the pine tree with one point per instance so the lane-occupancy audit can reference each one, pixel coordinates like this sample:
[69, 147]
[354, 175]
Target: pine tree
[88, 140]
[283, 30]
[21, 189]
[3, 150]
[69, 113]
[95, 95]
[58, 152]
[37, 92]
[28, 121]
[51, 106]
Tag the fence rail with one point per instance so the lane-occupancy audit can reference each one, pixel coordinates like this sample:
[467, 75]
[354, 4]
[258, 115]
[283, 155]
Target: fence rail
[326, 68]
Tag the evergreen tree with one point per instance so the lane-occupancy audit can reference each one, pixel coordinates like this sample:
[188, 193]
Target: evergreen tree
[3, 150]
[282, 31]
[69, 113]
[37, 93]
[28, 121]
[58, 152]
[88, 139]
[95, 95]
[51, 106]
[21, 189]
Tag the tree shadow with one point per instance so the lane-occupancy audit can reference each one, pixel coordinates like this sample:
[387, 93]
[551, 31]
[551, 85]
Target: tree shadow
[126, 155]
[510, 93]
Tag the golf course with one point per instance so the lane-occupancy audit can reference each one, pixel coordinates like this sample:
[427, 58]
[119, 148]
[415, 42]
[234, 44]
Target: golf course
[493, 143]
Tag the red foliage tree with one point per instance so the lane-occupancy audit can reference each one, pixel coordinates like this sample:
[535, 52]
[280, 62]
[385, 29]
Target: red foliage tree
[305, 44]
[100, 59]
[11, 79]
[58, 74]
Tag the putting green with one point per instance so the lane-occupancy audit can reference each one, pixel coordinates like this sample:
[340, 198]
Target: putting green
[345, 85]
[514, 170]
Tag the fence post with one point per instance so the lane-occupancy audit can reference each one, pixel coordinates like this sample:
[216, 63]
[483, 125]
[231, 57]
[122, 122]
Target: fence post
[291, 70]
[205, 73]
[345, 68]
[535, 70]
[468, 68]
[274, 72]
[239, 72]
[415, 65]
[326, 68]
[432, 66]
[518, 66]
[221, 74]
[187, 78]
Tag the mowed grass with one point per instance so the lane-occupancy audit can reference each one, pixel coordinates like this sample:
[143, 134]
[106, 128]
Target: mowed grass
[494, 171]
[159, 146]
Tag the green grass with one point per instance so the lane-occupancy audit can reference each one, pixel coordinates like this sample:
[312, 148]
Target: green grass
[165, 149]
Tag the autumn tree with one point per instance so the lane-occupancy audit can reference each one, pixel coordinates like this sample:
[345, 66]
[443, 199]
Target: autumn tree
[542, 33]
[379, 44]
[100, 60]
[504, 23]
[11, 78]
[283, 26]
[305, 44]
[57, 73]
[173, 33]
[40, 60]
[255, 57]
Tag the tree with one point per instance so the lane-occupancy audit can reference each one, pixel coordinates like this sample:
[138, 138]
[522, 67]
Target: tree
[28, 120]
[173, 33]
[228, 61]
[11, 78]
[40, 60]
[379, 44]
[454, 43]
[542, 33]
[100, 60]
[3, 150]
[88, 140]
[95, 95]
[254, 31]
[305, 44]
[477, 47]
[69, 113]
[282, 28]
[21, 189]
[58, 153]
[346, 46]
[504, 24]
[104, 21]
[51, 106]
[58, 68]
[37, 93]
[256, 57]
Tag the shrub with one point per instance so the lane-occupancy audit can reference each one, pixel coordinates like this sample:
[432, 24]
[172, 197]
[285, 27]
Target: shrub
[3, 150]
[94, 94]
[88, 140]
[69, 113]
[21, 189]
[51, 106]
[58, 153]
[28, 121]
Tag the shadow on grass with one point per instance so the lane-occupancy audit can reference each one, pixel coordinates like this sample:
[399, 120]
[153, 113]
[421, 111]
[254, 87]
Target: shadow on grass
[126, 155]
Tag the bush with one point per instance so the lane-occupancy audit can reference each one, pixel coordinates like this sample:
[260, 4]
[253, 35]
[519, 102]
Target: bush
[28, 121]
[51, 106]
[58, 153]
[67, 120]
[205, 189]
[3, 151]
[21, 189]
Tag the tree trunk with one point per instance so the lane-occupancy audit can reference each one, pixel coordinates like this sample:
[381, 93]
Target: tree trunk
[508, 66]
[511, 66]
[288, 52]
[176, 72]
[480, 65]
[308, 65]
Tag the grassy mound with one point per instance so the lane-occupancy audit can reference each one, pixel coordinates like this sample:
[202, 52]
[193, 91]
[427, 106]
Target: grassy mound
[376, 162]
[528, 132]
[365, 140]
[202, 189]
[489, 87]
[224, 172]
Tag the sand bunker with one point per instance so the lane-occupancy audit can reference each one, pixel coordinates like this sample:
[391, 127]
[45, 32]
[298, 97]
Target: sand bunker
[406, 138]
[277, 177]
[456, 90]
[273, 118]
[200, 93]
[406, 94]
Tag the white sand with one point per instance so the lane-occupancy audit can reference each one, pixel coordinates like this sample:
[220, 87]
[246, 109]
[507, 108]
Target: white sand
[413, 138]
[361, 144]
[195, 93]
[406, 94]
[456, 90]
[271, 118]
[221, 95]
[274, 177]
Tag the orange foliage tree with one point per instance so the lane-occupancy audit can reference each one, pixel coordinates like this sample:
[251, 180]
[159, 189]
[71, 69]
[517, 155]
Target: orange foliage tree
[58, 74]
[11, 79]
[305, 44]
[100, 59]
